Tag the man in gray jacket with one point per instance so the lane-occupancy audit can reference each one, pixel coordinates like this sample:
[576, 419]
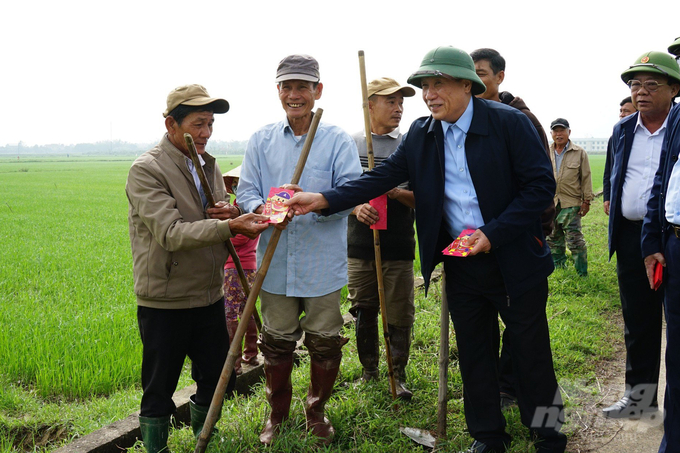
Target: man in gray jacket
[178, 253]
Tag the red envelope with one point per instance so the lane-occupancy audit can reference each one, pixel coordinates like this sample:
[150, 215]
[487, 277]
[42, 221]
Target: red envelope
[658, 275]
[380, 205]
[456, 248]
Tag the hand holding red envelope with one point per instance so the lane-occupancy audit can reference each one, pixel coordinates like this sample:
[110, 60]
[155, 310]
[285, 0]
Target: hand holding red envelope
[380, 205]
[456, 248]
[274, 207]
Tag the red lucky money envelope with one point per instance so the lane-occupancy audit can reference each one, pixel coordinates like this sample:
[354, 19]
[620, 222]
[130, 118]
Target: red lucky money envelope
[456, 248]
[274, 207]
[380, 205]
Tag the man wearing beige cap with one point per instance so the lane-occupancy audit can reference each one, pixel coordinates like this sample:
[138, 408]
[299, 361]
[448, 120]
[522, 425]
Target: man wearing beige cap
[397, 244]
[309, 267]
[178, 254]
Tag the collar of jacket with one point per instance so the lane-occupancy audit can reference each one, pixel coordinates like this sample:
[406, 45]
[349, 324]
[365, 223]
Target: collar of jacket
[179, 158]
[478, 126]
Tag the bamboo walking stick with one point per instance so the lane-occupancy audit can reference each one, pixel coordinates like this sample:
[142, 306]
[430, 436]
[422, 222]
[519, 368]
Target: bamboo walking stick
[189, 140]
[376, 233]
[218, 396]
[443, 363]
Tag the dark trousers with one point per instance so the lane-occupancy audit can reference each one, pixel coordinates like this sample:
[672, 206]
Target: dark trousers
[168, 336]
[476, 295]
[671, 424]
[641, 307]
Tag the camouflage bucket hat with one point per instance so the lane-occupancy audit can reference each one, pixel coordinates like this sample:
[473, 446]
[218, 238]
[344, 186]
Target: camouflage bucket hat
[448, 61]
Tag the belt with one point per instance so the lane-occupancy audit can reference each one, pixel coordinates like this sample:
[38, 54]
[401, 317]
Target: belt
[675, 229]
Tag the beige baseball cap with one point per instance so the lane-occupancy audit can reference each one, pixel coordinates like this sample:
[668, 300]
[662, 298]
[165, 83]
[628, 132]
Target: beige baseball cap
[385, 86]
[194, 95]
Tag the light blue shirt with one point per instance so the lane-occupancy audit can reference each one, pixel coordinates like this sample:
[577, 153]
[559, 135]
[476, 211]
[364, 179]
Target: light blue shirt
[461, 208]
[311, 256]
[197, 180]
[559, 156]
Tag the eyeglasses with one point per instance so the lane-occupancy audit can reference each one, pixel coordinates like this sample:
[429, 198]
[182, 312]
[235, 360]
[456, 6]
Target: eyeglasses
[650, 85]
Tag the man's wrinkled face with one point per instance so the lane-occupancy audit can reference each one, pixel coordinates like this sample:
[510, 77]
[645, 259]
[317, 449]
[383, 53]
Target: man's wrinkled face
[560, 135]
[298, 97]
[386, 111]
[198, 124]
[446, 98]
[653, 102]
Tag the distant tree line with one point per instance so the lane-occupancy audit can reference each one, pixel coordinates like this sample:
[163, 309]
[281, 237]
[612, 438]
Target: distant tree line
[116, 147]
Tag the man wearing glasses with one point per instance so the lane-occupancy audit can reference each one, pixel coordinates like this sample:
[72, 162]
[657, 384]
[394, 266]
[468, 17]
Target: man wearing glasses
[654, 80]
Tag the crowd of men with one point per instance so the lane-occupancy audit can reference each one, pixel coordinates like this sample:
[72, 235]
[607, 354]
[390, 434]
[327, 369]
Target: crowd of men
[524, 211]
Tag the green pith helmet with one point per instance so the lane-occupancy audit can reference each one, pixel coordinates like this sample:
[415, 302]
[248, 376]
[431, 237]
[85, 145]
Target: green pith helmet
[448, 61]
[655, 62]
[675, 47]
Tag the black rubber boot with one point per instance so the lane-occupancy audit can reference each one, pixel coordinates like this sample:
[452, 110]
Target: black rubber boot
[367, 342]
[400, 341]
[155, 432]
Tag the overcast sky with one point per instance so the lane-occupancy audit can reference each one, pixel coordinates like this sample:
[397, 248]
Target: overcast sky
[87, 71]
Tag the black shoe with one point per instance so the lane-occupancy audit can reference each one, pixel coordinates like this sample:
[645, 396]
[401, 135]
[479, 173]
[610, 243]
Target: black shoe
[625, 408]
[507, 401]
[479, 447]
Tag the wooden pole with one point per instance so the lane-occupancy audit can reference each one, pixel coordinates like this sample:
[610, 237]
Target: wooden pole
[443, 363]
[376, 233]
[218, 396]
[189, 140]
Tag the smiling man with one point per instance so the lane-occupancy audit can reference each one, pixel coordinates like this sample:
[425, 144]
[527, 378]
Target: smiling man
[654, 80]
[572, 197]
[397, 244]
[178, 254]
[309, 267]
[477, 164]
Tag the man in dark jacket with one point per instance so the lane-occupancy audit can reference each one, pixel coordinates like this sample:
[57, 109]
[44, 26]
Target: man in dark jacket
[661, 246]
[626, 108]
[476, 164]
[654, 81]
[490, 67]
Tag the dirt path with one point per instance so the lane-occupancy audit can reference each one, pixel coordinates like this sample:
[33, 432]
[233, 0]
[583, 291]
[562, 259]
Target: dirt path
[598, 434]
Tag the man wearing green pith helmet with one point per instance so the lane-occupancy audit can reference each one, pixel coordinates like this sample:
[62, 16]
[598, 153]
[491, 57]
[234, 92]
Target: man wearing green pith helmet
[477, 164]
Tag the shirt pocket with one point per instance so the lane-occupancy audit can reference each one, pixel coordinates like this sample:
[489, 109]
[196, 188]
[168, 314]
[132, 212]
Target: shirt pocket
[315, 180]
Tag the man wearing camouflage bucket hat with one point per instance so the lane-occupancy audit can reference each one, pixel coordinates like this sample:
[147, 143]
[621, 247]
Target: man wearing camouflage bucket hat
[654, 80]
[477, 164]
[660, 245]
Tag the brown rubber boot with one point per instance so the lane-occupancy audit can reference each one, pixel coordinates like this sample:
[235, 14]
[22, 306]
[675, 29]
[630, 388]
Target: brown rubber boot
[400, 341]
[367, 343]
[250, 344]
[278, 364]
[325, 357]
[231, 328]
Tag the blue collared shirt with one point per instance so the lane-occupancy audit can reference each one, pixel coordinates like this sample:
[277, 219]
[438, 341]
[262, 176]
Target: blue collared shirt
[311, 256]
[197, 180]
[560, 156]
[461, 207]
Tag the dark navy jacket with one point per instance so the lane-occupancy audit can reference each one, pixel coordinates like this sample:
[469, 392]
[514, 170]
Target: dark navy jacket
[512, 176]
[621, 142]
[655, 227]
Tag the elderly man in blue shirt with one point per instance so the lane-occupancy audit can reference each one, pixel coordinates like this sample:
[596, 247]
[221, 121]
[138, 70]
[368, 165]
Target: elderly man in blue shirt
[309, 267]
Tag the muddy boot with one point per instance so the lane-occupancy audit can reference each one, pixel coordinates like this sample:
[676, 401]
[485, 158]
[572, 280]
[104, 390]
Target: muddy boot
[400, 341]
[367, 343]
[231, 328]
[581, 261]
[250, 344]
[198, 415]
[325, 356]
[155, 433]
[278, 364]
